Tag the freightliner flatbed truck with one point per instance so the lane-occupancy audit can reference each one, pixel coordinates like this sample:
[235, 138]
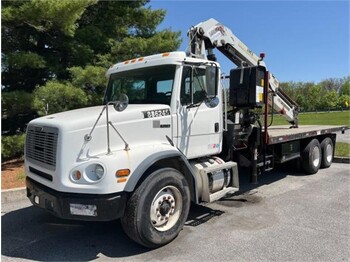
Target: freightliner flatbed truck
[165, 138]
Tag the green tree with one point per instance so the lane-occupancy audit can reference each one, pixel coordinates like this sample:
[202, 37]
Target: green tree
[16, 102]
[56, 97]
[92, 80]
[38, 40]
[344, 101]
[12, 146]
[75, 42]
[301, 102]
[330, 100]
[288, 88]
[327, 94]
[331, 84]
[345, 88]
[16, 111]
[50, 39]
[313, 94]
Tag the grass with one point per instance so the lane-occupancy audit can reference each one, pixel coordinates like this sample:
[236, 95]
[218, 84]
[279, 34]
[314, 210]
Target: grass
[21, 175]
[320, 118]
[342, 149]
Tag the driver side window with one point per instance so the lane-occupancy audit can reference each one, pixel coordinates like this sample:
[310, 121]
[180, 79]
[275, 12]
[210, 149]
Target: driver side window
[198, 85]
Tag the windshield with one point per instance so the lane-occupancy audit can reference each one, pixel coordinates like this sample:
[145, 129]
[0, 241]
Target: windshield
[151, 85]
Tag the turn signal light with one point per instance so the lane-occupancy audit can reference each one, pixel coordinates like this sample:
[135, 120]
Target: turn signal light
[121, 180]
[76, 175]
[122, 172]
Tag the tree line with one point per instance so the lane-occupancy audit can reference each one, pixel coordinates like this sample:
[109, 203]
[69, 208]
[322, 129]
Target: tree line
[329, 94]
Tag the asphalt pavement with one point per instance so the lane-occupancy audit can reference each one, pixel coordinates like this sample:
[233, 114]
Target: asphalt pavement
[287, 217]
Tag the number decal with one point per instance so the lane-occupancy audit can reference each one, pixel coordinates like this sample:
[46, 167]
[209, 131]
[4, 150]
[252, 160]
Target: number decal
[156, 113]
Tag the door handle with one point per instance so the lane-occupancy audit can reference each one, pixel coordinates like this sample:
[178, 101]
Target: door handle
[216, 127]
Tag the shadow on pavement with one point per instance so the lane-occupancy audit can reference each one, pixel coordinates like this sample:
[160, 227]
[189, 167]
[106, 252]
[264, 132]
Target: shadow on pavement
[31, 233]
[292, 168]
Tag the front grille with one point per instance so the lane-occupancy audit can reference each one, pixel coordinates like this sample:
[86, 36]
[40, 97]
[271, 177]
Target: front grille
[41, 146]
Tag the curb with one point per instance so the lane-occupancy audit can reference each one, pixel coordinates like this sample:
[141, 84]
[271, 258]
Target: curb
[12, 195]
[343, 160]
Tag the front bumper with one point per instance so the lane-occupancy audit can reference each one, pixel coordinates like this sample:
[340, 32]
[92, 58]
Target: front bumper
[63, 205]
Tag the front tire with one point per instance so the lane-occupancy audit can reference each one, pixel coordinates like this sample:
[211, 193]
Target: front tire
[158, 209]
[311, 157]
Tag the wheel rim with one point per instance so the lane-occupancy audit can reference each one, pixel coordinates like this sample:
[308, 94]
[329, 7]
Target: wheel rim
[166, 208]
[316, 156]
[329, 153]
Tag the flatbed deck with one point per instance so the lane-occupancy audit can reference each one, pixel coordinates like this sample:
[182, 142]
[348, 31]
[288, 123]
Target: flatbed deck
[281, 134]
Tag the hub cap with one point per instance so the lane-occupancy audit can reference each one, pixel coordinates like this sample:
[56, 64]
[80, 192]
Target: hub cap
[316, 156]
[329, 153]
[166, 208]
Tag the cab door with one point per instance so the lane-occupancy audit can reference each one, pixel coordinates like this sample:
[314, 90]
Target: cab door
[199, 116]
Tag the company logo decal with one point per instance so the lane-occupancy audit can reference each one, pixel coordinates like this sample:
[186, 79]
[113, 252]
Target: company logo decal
[213, 146]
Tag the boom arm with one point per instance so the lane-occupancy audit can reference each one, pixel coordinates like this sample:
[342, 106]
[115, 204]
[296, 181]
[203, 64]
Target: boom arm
[210, 34]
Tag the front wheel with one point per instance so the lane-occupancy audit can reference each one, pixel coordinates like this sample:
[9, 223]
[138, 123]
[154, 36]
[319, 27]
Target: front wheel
[158, 209]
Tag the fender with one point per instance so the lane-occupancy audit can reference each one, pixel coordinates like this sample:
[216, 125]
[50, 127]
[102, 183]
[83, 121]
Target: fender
[163, 153]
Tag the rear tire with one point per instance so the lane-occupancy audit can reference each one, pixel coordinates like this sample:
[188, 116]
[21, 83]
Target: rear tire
[311, 157]
[327, 148]
[158, 209]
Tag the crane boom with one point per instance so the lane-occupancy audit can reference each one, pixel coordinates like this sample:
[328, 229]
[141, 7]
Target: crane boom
[210, 34]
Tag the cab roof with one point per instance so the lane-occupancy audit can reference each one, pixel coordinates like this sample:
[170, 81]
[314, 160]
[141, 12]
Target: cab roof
[153, 60]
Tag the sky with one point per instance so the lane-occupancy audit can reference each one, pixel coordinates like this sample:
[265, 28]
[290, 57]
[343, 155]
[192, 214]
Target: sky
[302, 40]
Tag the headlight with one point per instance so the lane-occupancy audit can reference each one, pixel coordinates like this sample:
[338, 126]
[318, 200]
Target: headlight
[94, 172]
[99, 171]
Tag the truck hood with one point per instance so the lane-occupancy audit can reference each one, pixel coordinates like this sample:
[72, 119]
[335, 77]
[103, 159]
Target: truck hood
[58, 143]
[86, 117]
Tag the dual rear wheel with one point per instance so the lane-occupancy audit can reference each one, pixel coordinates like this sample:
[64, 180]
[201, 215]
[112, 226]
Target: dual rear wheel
[317, 155]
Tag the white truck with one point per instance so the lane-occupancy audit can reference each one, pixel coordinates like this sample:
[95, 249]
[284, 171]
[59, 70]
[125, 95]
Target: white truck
[165, 138]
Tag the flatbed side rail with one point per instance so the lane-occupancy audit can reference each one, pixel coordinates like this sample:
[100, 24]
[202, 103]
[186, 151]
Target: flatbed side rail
[281, 134]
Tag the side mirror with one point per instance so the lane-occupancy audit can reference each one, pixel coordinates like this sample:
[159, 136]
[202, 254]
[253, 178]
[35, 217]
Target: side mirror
[213, 102]
[211, 79]
[121, 104]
